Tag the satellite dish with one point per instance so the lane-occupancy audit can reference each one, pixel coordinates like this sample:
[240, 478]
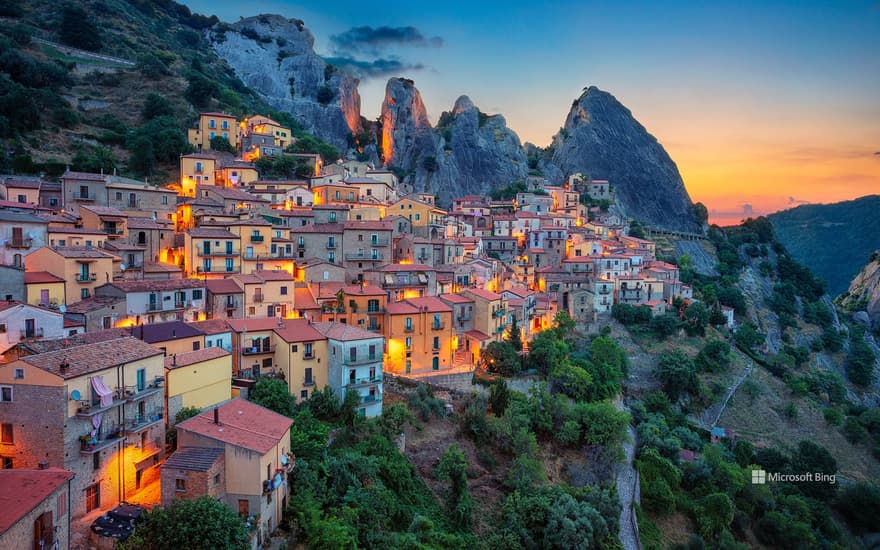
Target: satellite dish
[122, 267]
[32, 235]
[63, 309]
[75, 395]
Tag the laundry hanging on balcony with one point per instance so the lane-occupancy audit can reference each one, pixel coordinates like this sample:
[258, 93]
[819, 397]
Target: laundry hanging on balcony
[105, 393]
[96, 423]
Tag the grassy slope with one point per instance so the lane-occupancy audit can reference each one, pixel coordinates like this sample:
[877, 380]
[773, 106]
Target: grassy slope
[834, 240]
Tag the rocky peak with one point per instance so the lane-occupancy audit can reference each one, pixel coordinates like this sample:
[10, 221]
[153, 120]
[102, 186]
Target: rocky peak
[405, 124]
[603, 139]
[462, 104]
[275, 56]
[863, 295]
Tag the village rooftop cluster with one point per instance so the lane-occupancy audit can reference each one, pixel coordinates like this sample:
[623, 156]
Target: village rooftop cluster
[124, 302]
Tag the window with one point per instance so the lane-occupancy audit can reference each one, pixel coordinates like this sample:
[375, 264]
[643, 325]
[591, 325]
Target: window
[119, 195]
[93, 497]
[96, 461]
[180, 485]
[409, 324]
[307, 350]
[409, 342]
[84, 293]
[19, 374]
[308, 377]
[284, 291]
[225, 125]
[5, 394]
[332, 217]
[7, 463]
[304, 394]
[197, 294]
[196, 346]
[2, 328]
[6, 434]
[436, 342]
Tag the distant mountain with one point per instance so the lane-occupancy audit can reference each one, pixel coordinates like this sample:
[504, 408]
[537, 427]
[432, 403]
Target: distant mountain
[833, 240]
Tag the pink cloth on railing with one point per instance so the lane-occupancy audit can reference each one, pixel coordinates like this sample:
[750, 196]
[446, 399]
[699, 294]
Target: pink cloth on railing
[105, 393]
[96, 423]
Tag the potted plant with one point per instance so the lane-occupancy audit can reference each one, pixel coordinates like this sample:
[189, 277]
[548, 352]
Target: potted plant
[85, 406]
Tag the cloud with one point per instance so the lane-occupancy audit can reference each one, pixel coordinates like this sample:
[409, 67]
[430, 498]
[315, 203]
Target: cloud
[792, 200]
[372, 39]
[376, 68]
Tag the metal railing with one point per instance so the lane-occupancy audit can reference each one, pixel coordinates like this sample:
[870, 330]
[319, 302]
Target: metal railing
[258, 298]
[374, 257]
[33, 333]
[361, 359]
[257, 350]
[203, 252]
[19, 243]
[86, 277]
[364, 381]
[257, 238]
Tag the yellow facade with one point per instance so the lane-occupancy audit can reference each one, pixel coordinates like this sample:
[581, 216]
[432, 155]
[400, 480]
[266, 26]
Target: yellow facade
[222, 259]
[256, 244]
[196, 169]
[292, 359]
[214, 124]
[418, 343]
[361, 307]
[180, 345]
[235, 175]
[419, 213]
[37, 292]
[264, 125]
[201, 384]
[82, 275]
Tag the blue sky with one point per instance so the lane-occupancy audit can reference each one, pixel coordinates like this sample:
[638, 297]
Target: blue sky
[786, 94]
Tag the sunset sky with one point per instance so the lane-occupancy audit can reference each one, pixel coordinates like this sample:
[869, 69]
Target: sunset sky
[762, 108]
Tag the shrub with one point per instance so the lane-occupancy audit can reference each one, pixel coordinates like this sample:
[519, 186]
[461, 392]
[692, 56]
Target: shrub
[324, 95]
[678, 374]
[832, 416]
[854, 431]
[220, 143]
[859, 503]
[570, 433]
[155, 106]
[714, 357]
[77, 29]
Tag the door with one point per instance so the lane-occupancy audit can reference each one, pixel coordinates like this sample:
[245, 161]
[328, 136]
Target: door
[141, 379]
[29, 328]
[17, 239]
[435, 363]
[93, 497]
[44, 297]
[44, 531]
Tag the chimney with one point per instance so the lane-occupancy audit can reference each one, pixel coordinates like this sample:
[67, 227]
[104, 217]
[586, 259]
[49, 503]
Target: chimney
[174, 333]
[64, 365]
[174, 359]
[217, 415]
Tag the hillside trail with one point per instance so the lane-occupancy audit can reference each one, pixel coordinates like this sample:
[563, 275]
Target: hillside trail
[627, 481]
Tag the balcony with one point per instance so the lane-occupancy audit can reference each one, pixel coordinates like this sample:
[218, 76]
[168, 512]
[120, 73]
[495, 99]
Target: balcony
[362, 359]
[143, 422]
[408, 329]
[33, 333]
[464, 317]
[86, 277]
[372, 257]
[357, 382]
[19, 243]
[378, 242]
[331, 244]
[301, 245]
[209, 253]
[376, 398]
[308, 356]
[374, 328]
[498, 312]
[133, 395]
[438, 326]
[84, 197]
[258, 298]
[257, 238]
[154, 306]
[257, 350]
[217, 269]
[179, 305]
[87, 409]
[91, 445]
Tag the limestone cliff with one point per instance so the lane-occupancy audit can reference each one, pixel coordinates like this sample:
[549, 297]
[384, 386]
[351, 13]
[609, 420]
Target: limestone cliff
[275, 57]
[406, 130]
[864, 292]
[602, 138]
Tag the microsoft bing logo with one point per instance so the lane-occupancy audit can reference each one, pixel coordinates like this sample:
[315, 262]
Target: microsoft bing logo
[759, 477]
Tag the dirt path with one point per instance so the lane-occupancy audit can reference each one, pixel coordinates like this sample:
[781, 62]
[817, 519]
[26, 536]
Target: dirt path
[710, 417]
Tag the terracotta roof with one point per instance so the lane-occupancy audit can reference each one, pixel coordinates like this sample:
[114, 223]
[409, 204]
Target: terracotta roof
[254, 324]
[192, 357]
[70, 323]
[163, 332]
[368, 225]
[520, 291]
[47, 346]
[211, 233]
[317, 228]
[242, 424]
[212, 326]
[344, 332]
[298, 330]
[104, 210]
[483, 293]
[456, 299]
[247, 279]
[406, 267]
[430, 303]
[250, 221]
[230, 193]
[194, 459]
[89, 358]
[272, 275]
[355, 181]
[158, 267]
[223, 286]
[75, 231]
[303, 299]
[477, 335]
[147, 285]
[41, 277]
[148, 223]
[401, 308]
[365, 290]
[23, 490]
[21, 183]
[80, 252]
[84, 176]
[217, 114]
[94, 304]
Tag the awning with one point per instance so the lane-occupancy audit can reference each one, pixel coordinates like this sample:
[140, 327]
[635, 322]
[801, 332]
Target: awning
[105, 393]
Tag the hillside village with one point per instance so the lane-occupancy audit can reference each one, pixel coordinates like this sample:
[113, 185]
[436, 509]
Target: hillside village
[125, 303]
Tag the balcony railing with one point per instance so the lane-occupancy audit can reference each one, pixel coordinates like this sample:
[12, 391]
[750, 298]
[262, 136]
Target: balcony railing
[374, 328]
[154, 306]
[301, 245]
[84, 197]
[20, 243]
[331, 244]
[87, 409]
[371, 398]
[373, 310]
[378, 256]
[464, 317]
[379, 242]
[257, 350]
[90, 445]
[361, 359]
[86, 277]
[364, 381]
[498, 312]
[258, 298]
[257, 238]
[32, 333]
[438, 326]
[179, 305]
[142, 422]
[203, 252]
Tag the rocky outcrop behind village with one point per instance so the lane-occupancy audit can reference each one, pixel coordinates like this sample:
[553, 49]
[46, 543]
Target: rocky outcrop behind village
[275, 56]
[863, 296]
[602, 139]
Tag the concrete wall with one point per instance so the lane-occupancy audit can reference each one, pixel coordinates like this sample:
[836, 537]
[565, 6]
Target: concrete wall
[21, 534]
[197, 483]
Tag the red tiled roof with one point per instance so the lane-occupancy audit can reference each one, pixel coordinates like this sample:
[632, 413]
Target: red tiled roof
[431, 304]
[368, 225]
[23, 490]
[365, 290]
[223, 286]
[254, 324]
[344, 332]
[242, 424]
[298, 330]
[483, 293]
[192, 357]
[206, 233]
[41, 277]
[212, 326]
[147, 285]
[303, 299]
[401, 308]
[477, 335]
[88, 358]
[274, 275]
[456, 299]
[406, 267]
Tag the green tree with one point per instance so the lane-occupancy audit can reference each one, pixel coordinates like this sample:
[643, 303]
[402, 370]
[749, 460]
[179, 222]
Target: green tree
[859, 503]
[696, 317]
[747, 336]
[201, 524]
[78, 29]
[273, 394]
[501, 358]
[221, 144]
[715, 514]
[663, 326]
[546, 350]
[714, 357]
[513, 336]
[499, 397]
[308, 435]
[574, 525]
[156, 105]
[677, 373]
[324, 404]
[453, 466]
[701, 213]
[183, 414]
[200, 90]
